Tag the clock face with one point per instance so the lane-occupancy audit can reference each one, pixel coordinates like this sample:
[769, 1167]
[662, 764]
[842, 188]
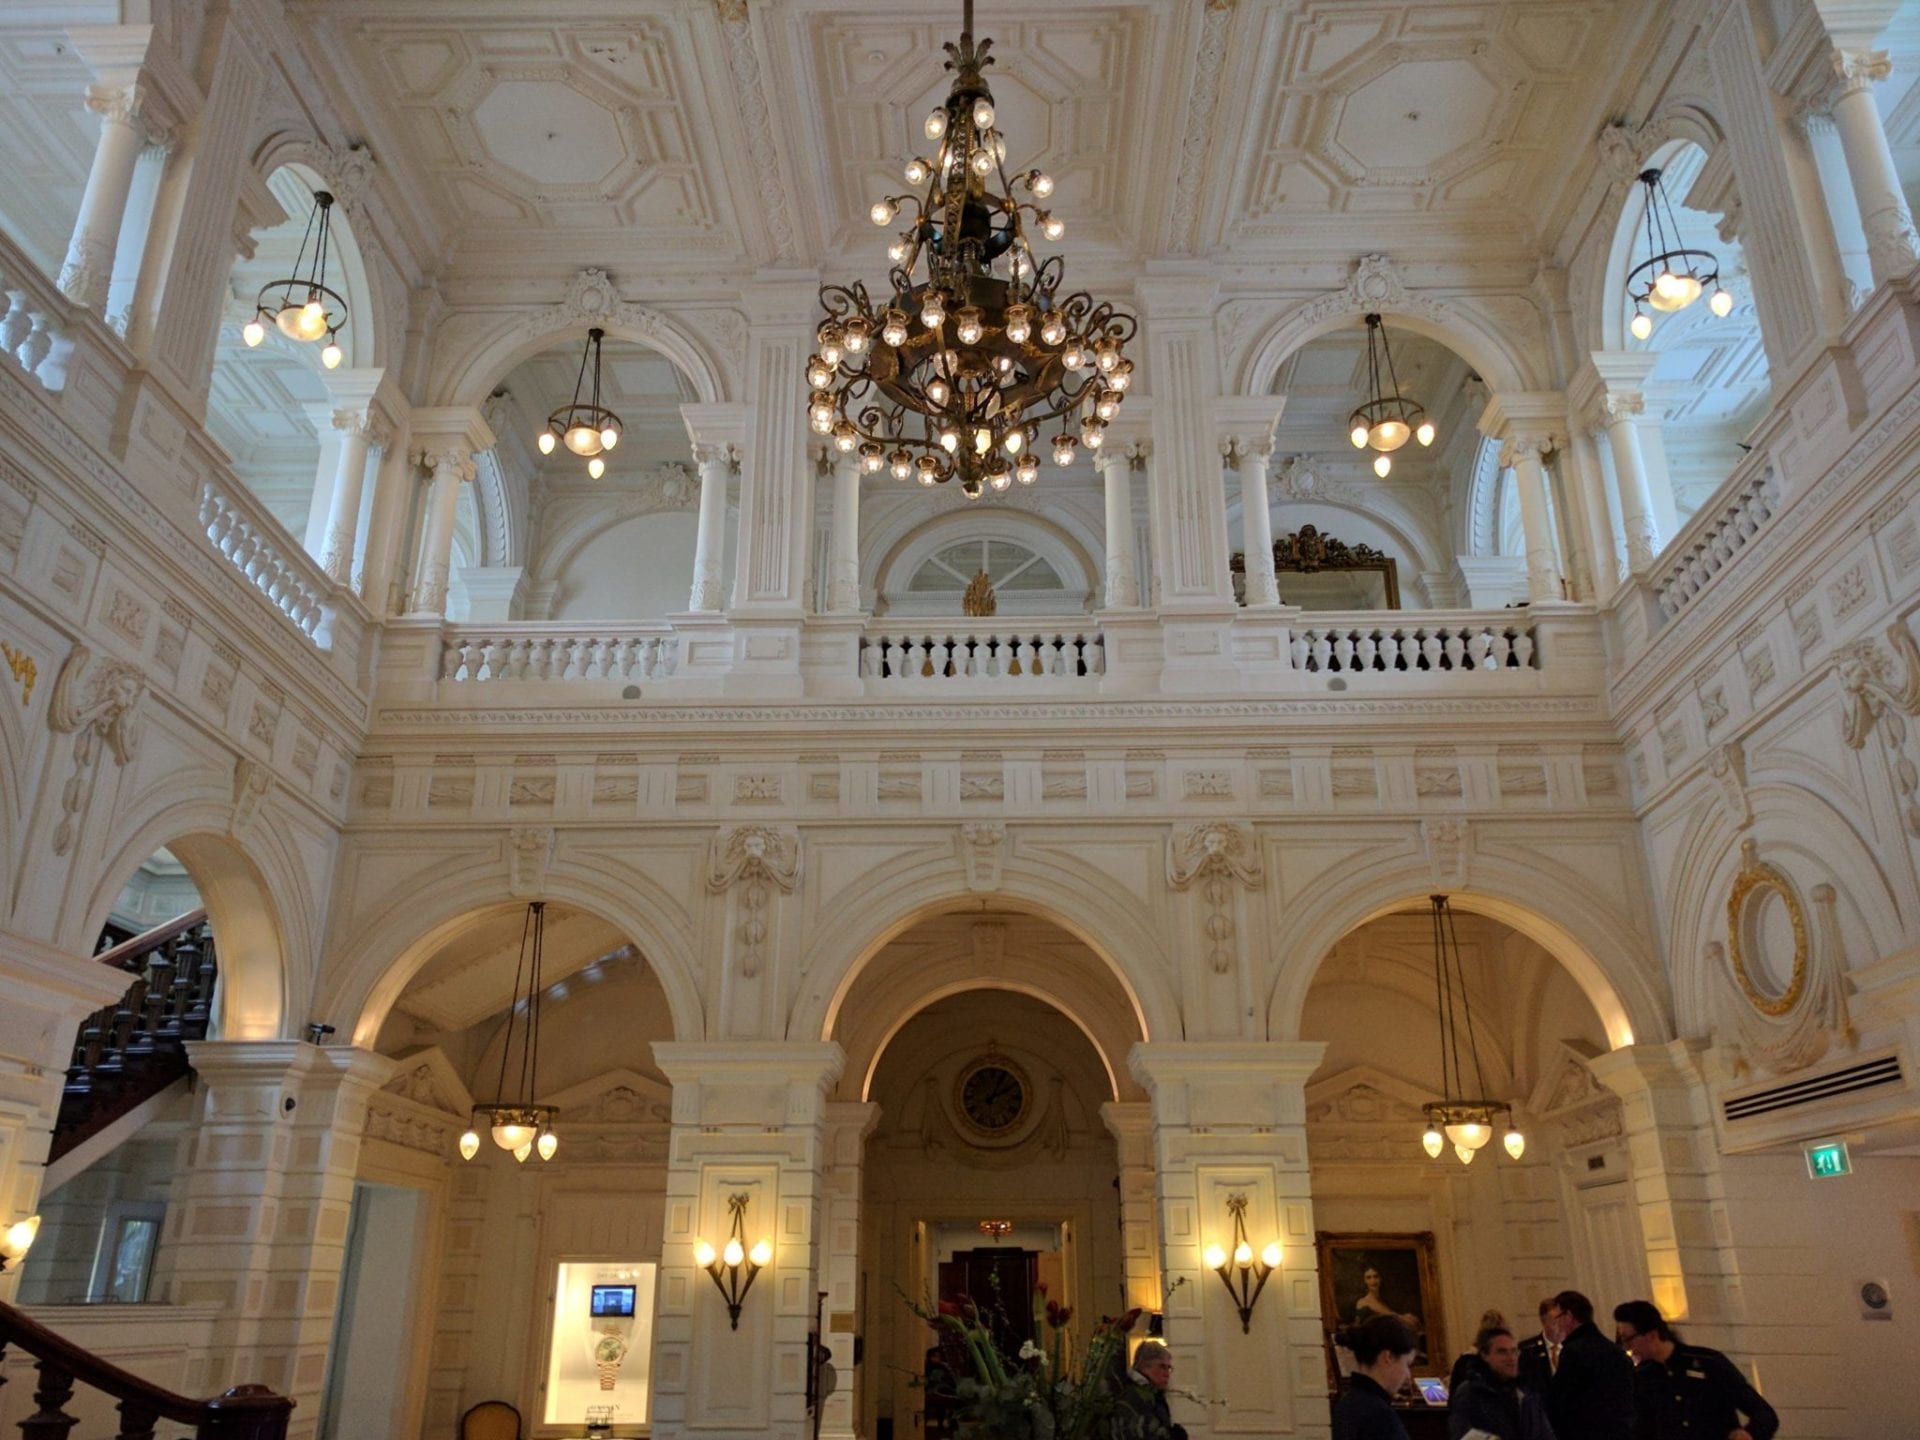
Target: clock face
[993, 1096]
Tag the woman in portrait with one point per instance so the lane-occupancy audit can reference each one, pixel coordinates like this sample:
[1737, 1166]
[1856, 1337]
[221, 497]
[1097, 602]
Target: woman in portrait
[1371, 1304]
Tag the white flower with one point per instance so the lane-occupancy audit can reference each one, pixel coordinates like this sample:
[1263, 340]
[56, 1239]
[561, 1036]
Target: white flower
[1029, 1350]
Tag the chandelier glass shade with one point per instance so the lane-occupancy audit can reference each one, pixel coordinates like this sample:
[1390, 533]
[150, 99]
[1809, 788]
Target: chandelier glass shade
[1464, 1118]
[975, 355]
[518, 1123]
[301, 306]
[1388, 419]
[585, 426]
[1672, 276]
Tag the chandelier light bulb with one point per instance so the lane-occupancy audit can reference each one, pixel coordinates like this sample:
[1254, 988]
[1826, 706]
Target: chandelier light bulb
[982, 161]
[929, 471]
[821, 418]
[1027, 469]
[511, 1135]
[857, 336]
[1075, 357]
[1000, 478]
[950, 441]
[1425, 433]
[1515, 1142]
[882, 212]
[547, 1144]
[1472, 1134]
[1052, 226]
[897, 252]
[469, 1144]
[1108, 405]
[1389, 434]
[1091, 435]
[1016, 441]
[310, 323]
[1270, 1257]
[609, 437]
[522, 1155]
[1641, 325]
[1466, 1155]
[1053, 330]
[17, 1239]
[1019, 323]
[1674, 290]
[1243, 1255]
[982, 441]
[583, 439]
[1041, 184]
[1382, 466]
[1359, 437]
[819, 373]
[933, 310]
[918, 171]
[1003, 365]
[1433, 1142]
[938, 391]
[936, 125]
[901, 463]
[872, 458]
[762, 1252]
[1122, 376]
[734, 1252]
[596, 467]
[1214, 1257]
[1063, 450]
[998, 145]
[1721, 303]
[253, 332]
[332, 356]
[983, 114]
[546, 442]
[845, 437]
[1106, 355]
[893, 328]
[702, 1254]
[968, 325]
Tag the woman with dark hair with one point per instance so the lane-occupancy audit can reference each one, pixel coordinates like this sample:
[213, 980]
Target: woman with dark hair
[1382, 1349]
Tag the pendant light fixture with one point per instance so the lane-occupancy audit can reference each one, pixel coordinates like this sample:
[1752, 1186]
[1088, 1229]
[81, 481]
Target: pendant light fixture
[1388, 419]
[1672, 277]
[976, 350]
[583, 424]
[1464, 1119]
[302, 307]
[519, 1124]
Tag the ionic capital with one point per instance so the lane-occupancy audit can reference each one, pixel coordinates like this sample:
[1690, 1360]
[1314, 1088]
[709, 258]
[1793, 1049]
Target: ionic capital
[130, 105]
[1137, 453]
[454, 463]
[1524, 448]
[1853, 71]
[717, 454]
[1621, 405]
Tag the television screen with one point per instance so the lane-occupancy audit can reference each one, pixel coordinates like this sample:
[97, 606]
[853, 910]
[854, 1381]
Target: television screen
[612, 1300]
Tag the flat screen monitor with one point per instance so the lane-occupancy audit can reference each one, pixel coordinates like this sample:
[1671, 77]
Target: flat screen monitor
[1434, 1392]
[612, 1300]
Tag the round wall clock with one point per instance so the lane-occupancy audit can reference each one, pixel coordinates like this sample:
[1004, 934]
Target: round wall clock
[992, 1095]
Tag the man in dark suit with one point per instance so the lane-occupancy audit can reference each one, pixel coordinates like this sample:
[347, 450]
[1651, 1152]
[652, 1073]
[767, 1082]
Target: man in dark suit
[1590, 1395]
[1538, 1356]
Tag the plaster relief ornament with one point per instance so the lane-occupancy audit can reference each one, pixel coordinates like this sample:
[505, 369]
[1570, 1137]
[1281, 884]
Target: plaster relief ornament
[1447, 842]
[1215, 856]
[1786, 1008]
[529, 850]
[97, 707]
[754, 858]
[251, 782]
[983, 846]
[1874, 699]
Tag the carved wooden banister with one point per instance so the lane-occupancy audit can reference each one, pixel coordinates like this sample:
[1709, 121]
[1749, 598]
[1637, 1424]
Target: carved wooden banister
[246, 1412]
[148, 941]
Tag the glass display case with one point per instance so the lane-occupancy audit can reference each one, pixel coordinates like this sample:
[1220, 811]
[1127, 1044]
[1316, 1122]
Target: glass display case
[597, 1369]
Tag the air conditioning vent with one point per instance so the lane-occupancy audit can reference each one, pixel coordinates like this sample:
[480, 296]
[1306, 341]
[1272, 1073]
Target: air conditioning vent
[1867, 1075]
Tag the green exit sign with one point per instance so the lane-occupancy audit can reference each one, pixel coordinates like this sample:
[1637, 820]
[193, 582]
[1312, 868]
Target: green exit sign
[1828, 1158]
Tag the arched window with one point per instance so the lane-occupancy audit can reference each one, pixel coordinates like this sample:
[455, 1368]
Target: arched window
[1033, 569]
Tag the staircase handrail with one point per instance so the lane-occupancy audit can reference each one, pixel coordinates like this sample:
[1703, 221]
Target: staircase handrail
[244, 1412]
[149, 940]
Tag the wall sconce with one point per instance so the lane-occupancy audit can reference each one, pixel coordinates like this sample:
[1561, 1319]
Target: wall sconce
[1242, 1272]
[16, 1239]
[735, 1266]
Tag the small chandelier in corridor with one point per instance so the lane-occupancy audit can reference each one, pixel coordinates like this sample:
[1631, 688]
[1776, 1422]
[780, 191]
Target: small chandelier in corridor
[959, 370]
[583, 424]
[518, 1123]
[1672, 277]
[301, 306]
[1388, 419]
[1464, 1118]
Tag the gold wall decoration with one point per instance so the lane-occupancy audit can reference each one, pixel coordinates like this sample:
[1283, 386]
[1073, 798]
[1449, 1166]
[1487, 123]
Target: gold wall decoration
[23, 668]
[979, 600]
[1755, 881]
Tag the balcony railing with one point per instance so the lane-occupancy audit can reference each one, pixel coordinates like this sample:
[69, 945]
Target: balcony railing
[981, 651]
[1722, 529]
[243, 530]
[550, 651]
[32, 319]
[1416, 642]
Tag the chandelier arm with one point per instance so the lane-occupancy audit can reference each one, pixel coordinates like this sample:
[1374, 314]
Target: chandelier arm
[1466, 1008]
[580, 378]
[293, 276]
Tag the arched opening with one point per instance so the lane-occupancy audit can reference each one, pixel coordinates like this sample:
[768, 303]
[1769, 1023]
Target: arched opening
[989, 1051]
[273, 407]
[1436, 1240]
[1319, 479]
[1034, 566]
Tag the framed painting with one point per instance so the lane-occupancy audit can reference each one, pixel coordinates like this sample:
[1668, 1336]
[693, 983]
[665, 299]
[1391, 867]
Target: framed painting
[1367, 1273]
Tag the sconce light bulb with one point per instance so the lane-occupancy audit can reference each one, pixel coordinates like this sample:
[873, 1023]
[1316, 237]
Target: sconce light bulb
[1641, 325]
[762, 1252]
[1516, 1143]
[1243, 1254]
[734, 1252]
[1382, 465]
[702, 1254]
[469, 1144]
[1433, 1142]
[1214, 1256]
[17, 1238]
[1425, 433]
[1358, 435]
[1721, 304]
[547, 1144]
[1270, 1257]
[523, 1152]
[596, 467]
[546, 442]
[253, 332]
[332, 356]
[1466, 1155]
[609, 438]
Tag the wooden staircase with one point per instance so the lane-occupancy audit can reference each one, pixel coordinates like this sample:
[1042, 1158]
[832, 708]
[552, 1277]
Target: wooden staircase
[129, 1052]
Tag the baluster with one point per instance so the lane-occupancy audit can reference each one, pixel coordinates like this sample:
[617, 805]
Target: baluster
[1297, 649]
[1026, 657]
[1096, 655]
[1050, 655]
[1366, 650]
[1429, 651]
[1322, 651]
[143, 999]
[1456, 649]
[940, 657]
[452, 657]
[180, 995]
[890, 659]
[137, 1419]
[1343, 650]
[54, 1389]
[193, 1024]
[916, 665]
[15, 323]
[1523, 649]
[1477, 646]
[37, 345]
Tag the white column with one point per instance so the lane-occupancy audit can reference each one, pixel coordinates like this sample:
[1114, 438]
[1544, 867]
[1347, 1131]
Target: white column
[1589, 482]
[88, 270]
[449, 468]
[717, 464]
[1524, 454]
[1256, 522]
[843, 552]
[136, 222]
[1843, 208]
[359, 431]
[1630, 472]
[1892, 246]
[841, 1323]
[1117, 464]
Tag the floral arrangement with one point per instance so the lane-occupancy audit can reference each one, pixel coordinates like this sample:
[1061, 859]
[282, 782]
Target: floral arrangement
[1038, 1393]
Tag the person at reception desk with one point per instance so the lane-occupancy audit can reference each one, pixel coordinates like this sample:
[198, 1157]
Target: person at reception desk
[1492, 1401]
[1382, 1349]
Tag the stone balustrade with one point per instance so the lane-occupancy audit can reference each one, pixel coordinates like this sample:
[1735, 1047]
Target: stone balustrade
[558, 652]
[241, 529]
[33, 313]
[1416, 642]
[976, 651]
[1716, 533]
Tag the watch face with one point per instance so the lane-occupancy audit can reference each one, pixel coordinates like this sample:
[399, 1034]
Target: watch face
[993, 1096]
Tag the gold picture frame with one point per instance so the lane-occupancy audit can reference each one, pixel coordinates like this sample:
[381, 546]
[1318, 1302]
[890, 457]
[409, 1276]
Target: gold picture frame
[1755, 881]
[1406, 1283]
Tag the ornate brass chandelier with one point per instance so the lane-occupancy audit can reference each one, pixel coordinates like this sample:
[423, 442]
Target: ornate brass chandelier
[976, 350]
[587, 428]
[1388, 419]
[1672, 277]
[1462, 1119]
[519, 1124]
[302, 307]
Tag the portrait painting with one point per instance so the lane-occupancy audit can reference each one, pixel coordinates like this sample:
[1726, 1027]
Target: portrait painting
[1363, 1274]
